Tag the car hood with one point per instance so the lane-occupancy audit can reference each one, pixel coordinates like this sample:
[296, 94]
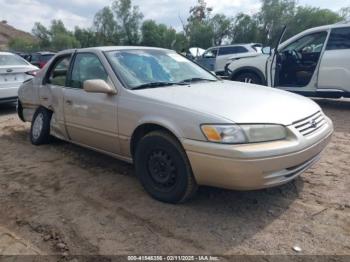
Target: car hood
[236, 102]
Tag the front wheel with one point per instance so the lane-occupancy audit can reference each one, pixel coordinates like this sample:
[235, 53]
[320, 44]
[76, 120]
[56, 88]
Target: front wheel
[163, 168]
[250, 78]
[40, 129]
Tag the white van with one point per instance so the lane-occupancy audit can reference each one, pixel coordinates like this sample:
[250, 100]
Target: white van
[315, 62]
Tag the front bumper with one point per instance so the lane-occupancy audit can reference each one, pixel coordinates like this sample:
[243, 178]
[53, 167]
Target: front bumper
[254, 166]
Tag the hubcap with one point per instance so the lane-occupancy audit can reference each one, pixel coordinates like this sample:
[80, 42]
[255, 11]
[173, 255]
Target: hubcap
[162, 169]
[38, 125]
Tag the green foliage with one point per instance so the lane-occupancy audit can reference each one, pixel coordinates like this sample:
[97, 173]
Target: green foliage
[85, 37]
[307, 17]
[23, 45]
[221, 27]
[105, 27]
[245, 29]
[158, 35]
[43, 35]
[56, 38]
[121, 24]
[128, 19]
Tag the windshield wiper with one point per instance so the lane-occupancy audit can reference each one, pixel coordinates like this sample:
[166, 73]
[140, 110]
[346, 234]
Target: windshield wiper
[195, 79]
[153, 85]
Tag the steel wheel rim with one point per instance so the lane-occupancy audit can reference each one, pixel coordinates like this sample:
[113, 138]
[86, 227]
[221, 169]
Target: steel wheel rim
[162, 170]
[38, 126]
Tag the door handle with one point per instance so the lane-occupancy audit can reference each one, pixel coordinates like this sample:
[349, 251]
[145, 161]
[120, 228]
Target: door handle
[44, 98]
[69, 102]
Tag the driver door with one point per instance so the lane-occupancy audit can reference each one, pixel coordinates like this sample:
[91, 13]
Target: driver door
[90, 118]
[296, 65]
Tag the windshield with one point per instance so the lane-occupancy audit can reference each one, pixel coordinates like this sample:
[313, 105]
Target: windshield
[12, 60]
[142, 67]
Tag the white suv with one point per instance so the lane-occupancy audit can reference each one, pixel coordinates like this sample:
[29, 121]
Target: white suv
[215, 58]
[313, 63]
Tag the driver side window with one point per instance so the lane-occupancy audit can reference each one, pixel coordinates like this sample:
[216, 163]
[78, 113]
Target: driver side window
[87, 66]
[312, 43]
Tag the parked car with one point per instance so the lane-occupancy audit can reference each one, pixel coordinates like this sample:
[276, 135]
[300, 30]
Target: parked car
[179, 124]
[40, 59]
[14, 70]
[312, 63]
[216, 58]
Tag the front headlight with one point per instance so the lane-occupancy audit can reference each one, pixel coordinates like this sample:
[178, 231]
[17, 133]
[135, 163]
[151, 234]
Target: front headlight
[240, 134]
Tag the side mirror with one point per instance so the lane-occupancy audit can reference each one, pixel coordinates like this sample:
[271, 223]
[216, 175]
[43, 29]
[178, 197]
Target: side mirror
[98, 86]
[266, 50]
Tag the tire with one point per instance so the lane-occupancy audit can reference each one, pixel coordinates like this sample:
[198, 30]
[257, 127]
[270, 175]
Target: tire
[248, 77]
[40, 128]
[19, 109]
[164, 169]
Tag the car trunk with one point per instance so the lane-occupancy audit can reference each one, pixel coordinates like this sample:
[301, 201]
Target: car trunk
[13, 76]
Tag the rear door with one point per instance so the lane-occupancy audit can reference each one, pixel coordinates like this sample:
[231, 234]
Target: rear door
[334, 70]
[91, 118]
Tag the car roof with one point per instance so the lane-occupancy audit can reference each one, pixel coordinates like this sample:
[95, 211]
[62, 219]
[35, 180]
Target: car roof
[45, 53]
[326, 27]
[112, 48]
[314, 30]
[233, 45]
[7, 53]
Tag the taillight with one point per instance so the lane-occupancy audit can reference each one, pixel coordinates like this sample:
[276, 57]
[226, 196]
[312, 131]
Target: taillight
[32, 73]
[42, 64]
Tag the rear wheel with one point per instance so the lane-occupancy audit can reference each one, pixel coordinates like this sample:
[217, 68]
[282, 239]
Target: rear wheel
[163, 168]
[248, 77]
[40, 129]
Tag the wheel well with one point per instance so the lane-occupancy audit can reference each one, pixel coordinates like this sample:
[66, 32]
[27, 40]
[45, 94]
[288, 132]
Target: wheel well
[143, 130]
[251, 71]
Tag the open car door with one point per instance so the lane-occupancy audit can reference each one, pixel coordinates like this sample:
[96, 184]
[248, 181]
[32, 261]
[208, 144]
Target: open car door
[295, 65]
[272, 68]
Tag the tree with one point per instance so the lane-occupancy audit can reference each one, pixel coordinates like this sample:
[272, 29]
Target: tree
[86, 37]
[245, 29]
[274, 14]
[221, 27]
[158, 35]
[43, 34]
[345, 13]
[23, 45]
[56, 38]
[198, 30]
[308, 17]
[128, 20]
[105, 27]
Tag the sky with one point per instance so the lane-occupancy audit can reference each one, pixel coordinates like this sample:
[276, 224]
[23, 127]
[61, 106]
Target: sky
[22, 14]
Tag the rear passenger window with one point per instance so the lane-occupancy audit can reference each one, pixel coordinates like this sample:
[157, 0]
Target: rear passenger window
[87, 67]
[229, 50]
[58, 73]
[339, 39]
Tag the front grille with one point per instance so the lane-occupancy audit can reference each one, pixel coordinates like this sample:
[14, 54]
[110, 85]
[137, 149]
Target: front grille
[309, 125]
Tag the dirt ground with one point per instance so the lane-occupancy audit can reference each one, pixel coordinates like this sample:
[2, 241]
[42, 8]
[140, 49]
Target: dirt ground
[64, 199]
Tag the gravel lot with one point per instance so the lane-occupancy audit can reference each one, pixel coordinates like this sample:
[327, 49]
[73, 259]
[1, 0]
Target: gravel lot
[64, 199]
